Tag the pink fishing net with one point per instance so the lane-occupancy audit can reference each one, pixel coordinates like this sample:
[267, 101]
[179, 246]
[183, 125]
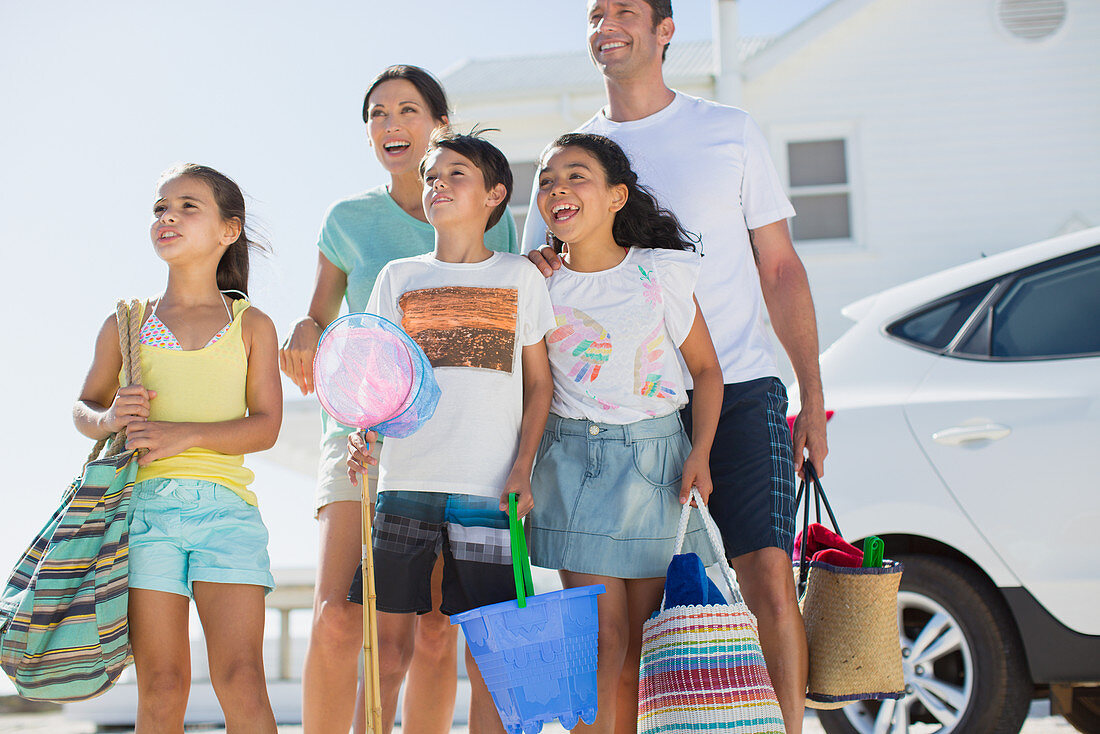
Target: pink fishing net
[370, 374]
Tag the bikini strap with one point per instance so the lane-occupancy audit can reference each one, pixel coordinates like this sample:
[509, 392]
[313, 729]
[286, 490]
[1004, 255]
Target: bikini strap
[225, 305]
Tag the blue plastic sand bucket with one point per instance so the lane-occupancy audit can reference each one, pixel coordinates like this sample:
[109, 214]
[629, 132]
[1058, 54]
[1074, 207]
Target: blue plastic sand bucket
[537, 654]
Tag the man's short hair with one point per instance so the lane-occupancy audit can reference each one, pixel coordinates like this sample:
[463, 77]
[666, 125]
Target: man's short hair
[661, 9]
[485, 156]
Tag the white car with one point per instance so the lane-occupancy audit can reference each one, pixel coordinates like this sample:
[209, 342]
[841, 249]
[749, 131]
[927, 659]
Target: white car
[965, 433]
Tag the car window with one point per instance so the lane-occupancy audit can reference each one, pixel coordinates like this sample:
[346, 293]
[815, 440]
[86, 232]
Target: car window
[976, 342]
[1051, 313]
[935, 326]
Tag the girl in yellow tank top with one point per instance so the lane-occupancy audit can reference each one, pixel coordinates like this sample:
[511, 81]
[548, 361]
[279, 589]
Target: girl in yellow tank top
[210, 393]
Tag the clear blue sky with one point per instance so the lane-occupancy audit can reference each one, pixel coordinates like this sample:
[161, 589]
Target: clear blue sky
[98, 98]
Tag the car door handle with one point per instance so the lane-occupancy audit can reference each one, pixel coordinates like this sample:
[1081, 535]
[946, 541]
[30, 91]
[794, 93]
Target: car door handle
[958, 435]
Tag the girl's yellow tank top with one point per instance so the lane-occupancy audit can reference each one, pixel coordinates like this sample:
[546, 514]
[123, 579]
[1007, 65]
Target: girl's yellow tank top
[202, 386]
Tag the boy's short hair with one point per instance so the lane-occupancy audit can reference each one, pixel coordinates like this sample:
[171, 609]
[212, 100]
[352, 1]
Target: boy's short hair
[485, 156]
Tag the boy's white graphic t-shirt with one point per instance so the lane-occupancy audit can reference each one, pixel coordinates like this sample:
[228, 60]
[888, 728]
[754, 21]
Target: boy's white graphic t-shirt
[613, 350]
[708, 164]
[472, 320]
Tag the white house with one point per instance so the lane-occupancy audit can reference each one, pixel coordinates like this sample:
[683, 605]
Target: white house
[911, 135]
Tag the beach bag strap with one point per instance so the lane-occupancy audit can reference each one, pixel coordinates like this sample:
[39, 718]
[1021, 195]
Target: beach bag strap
[810, 484]
[521, 564]
[128, 315]
[715, 542]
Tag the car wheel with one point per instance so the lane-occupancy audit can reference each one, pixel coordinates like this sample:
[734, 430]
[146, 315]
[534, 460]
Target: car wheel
[963, 664]
[1084, 714]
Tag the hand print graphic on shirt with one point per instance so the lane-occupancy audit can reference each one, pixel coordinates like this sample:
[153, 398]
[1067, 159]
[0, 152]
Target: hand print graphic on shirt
[583, 337]
[647, 382]
[651, 289]
[645, 308]
[600, 401]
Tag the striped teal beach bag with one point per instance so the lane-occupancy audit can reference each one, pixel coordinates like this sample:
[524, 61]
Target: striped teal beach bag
[702, 668]
[63, 628]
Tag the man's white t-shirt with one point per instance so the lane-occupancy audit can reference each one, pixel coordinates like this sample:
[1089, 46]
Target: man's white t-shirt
[613, 352]
[472, 320]
[709, 165]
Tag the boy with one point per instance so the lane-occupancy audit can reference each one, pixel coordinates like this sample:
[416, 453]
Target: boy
[481, 317]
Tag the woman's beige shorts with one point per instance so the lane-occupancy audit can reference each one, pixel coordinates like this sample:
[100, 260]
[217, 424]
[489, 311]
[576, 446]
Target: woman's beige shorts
[333, 484]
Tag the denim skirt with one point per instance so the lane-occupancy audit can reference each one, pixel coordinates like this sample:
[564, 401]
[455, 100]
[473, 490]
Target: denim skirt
[607, 498]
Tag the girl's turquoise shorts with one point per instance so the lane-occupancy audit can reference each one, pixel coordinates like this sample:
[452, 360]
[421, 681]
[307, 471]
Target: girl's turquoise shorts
[188, 530]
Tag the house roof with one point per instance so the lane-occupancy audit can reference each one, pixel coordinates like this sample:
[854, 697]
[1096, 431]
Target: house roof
[689, 61]
[794, 40]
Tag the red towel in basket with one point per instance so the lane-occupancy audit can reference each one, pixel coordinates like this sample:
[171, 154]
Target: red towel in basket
[824, 545]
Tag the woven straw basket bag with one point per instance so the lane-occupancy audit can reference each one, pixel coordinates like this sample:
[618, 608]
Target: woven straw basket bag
[851, 619]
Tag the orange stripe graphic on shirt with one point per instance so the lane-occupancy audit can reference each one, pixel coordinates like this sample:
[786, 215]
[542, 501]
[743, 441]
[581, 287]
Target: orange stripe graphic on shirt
[459, 326]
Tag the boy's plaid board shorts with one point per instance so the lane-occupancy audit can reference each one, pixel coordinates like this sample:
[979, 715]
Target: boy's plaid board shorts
[412, 528]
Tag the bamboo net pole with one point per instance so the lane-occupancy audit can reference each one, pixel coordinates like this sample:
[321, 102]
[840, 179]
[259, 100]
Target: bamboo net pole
[371, 686]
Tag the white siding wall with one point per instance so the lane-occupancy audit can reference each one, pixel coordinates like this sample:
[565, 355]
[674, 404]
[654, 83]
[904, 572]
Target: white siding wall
[528, 124]
[966, 140]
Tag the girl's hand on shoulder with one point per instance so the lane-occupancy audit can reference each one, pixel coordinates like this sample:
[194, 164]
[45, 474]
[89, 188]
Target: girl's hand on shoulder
[518, 481]
[160, 439]
[297, 351]
[130, 406]
[359, 454]
[697, 474]
[545, 259]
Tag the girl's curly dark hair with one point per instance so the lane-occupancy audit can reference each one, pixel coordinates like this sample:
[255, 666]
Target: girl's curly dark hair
[642, 222]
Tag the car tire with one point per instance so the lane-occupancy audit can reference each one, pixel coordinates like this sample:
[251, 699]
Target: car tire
[967, 673]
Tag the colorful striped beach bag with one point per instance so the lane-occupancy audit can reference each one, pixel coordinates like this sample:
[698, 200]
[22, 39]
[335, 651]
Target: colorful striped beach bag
[63, 626]
[702, 668]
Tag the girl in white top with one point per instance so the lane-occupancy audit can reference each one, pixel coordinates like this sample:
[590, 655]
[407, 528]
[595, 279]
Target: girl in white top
[615, 464]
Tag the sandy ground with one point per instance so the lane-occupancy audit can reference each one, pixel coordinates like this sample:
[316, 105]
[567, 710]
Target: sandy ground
[58, 724]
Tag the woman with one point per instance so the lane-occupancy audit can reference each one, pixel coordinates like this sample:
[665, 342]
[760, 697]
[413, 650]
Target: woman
[402, 107]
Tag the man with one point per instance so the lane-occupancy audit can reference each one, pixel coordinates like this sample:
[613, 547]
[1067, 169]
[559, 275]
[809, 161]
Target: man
[709, 164]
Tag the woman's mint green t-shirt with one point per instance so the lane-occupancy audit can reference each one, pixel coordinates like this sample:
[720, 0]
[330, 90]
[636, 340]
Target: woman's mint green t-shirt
[362, 233]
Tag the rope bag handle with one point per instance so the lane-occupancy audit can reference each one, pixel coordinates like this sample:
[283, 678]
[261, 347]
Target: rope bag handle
[715, 537]
[128, 315]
